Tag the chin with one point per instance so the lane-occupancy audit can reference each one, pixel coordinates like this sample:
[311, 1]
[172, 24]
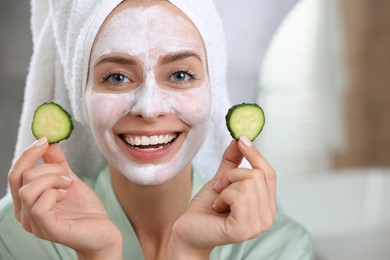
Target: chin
[152, 174]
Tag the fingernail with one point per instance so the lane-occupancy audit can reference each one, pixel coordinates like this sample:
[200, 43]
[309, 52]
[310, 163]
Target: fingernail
[66, 178]
[245, 141]
[62, 190]
[41, 141]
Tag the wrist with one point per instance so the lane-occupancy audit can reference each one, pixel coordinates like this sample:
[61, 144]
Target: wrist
[110, 252]
[179, 249]
[114, 253]
[177, 252]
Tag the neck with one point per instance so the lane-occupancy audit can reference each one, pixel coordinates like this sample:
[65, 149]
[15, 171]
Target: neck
[152, 210]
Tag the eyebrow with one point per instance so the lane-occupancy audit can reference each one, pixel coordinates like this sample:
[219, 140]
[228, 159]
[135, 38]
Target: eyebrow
[116, 59]
[179, 56]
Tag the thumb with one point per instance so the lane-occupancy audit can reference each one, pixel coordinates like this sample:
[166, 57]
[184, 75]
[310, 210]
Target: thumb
[55, 155]
[231, 159]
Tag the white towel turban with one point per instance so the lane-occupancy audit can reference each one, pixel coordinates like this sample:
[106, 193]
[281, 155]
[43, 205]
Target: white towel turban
[63, 32]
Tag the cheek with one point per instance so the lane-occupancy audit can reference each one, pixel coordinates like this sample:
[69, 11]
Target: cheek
[192, 106]
[104, 110]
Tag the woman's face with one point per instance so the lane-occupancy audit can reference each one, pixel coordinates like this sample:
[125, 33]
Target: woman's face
[148, 94]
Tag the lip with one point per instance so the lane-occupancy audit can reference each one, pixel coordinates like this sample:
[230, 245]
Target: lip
[152, 154]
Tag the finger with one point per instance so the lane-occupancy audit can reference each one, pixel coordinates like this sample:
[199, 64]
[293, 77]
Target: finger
[256, 159]
[25, 161]
[231, 159]
[55, 155]
[243, 220]
[30, 192]
[252, 154]
[248, 205]
[42, 213]
[225, 200]
[232, 176]
[265, 204]
[247, 186]
[25, 222]
[33, 173]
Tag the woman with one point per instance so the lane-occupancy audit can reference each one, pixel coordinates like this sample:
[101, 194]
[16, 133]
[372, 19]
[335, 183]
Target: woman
[151, 81]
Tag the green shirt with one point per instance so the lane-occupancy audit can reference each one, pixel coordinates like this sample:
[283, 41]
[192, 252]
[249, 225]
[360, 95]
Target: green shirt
[285, 240]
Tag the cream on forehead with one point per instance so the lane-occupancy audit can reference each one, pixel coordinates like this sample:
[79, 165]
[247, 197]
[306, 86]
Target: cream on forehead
[152, 27]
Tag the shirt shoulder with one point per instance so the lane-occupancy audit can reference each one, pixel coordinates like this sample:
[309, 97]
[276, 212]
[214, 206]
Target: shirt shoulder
[13, 236]
[286, 239]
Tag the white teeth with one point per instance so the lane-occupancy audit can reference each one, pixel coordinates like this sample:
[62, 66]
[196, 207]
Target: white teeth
[170, 138]
[161, 139]
[153, 140]
[137, 141]
[144, 140]
[149, 140]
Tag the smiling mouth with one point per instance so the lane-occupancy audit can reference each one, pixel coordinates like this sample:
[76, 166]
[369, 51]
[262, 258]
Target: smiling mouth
[149, 143]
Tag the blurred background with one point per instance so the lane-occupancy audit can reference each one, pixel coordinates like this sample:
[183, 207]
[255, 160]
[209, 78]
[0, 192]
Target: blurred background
[15, 52]
[321, 71]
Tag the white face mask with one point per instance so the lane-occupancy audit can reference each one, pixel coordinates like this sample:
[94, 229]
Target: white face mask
[148, 34]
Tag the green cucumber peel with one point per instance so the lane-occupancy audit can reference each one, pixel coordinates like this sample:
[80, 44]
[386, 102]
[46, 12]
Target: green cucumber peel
[245, 119]
[52, 121]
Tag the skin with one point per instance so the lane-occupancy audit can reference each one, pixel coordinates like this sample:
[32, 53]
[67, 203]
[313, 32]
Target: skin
[236, 205]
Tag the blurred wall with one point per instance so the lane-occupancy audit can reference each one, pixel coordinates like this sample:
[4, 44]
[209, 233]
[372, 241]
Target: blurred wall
[15, 52]
[367, 101]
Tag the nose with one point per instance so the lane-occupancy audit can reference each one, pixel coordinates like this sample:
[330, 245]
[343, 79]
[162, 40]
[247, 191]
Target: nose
[149, 102]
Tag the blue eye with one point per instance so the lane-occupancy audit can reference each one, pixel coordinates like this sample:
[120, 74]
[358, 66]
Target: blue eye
[116, 78]
[182, 77]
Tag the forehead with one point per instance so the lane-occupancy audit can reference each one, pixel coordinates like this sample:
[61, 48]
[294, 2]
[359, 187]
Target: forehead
[137, 29]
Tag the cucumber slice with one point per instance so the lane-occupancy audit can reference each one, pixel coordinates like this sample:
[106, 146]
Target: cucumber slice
[245, 119]
[52, 121]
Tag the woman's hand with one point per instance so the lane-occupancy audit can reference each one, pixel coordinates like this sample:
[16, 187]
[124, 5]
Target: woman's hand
[51, 202]
[236, 205]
